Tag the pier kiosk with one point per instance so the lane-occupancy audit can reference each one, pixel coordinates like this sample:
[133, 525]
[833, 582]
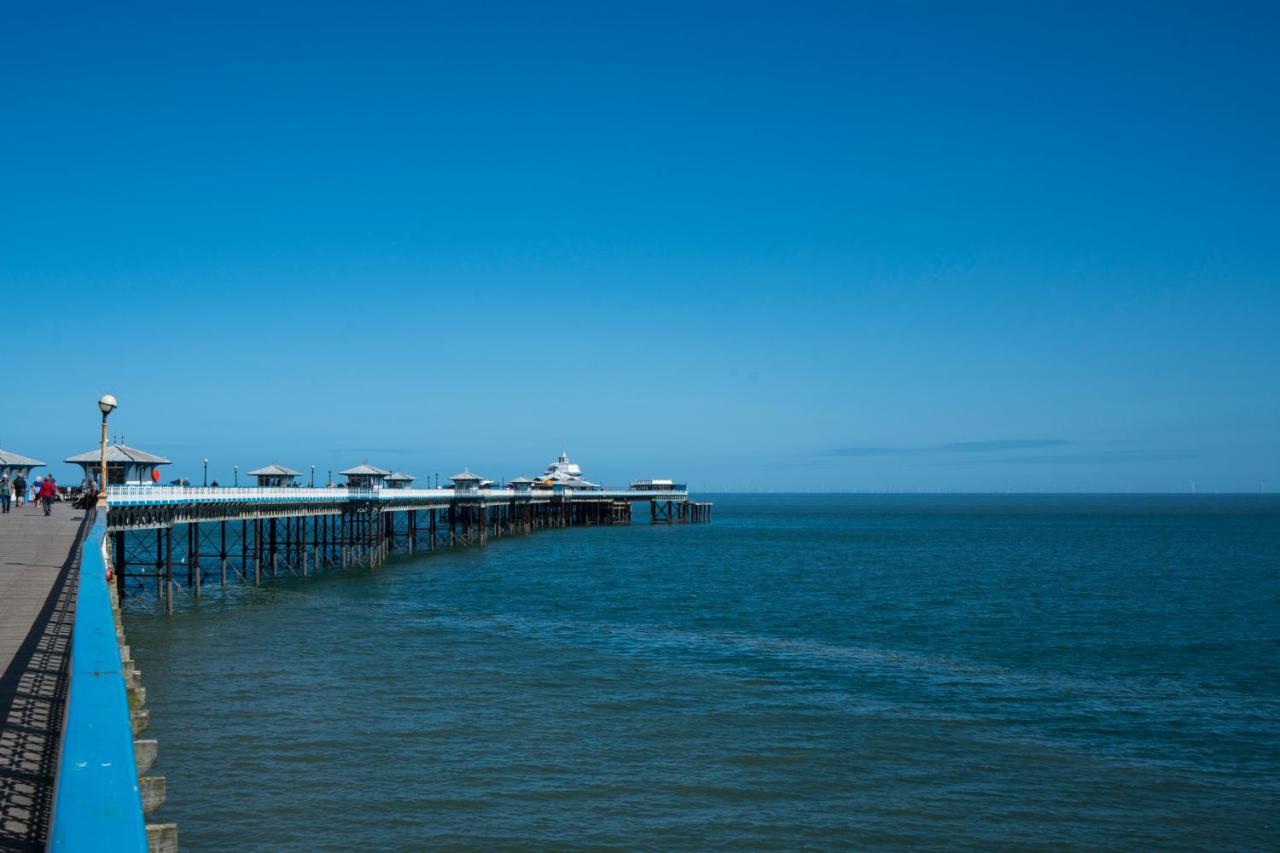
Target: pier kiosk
[275, 476]
[13, 464]
[126, 466]
[398, 480]
[365, 476]
[466, 481]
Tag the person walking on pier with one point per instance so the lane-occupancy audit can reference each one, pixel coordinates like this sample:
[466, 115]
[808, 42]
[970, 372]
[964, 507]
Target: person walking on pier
[20, 489]
[45, 495]
[5, 488]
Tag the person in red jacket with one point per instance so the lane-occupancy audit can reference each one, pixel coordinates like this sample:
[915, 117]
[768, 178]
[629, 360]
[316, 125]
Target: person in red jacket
[45, 495]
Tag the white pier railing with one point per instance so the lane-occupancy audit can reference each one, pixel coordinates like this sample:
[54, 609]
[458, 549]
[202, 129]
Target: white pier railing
[155, 495]
[199, 494]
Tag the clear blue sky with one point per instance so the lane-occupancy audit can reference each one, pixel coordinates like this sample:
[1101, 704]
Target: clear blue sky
[1022, 246]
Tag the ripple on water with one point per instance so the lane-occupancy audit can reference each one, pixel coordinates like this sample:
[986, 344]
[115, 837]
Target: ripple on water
[842, 673]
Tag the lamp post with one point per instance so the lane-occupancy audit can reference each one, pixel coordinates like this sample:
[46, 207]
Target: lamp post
[107, 404]
[313, 476]
[206, 472]
[236, 469]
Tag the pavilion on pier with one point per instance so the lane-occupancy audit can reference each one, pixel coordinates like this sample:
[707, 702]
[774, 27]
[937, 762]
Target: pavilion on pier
[13, 464]
[365, 476]
[126, 466]
[275, 476]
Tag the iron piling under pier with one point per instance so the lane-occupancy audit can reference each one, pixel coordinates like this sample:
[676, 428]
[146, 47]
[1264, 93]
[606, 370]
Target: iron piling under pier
[304, 531]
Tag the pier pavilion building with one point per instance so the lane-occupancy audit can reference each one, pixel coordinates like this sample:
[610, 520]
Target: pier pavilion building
[520, 485]
[398, 480]
[126, 466]
[564, 474]
[275, 476]
[13, 464]
[466, 481]
[365, 476]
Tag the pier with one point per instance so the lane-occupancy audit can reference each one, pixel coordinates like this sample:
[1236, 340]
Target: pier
[72, 762]
[170, 539]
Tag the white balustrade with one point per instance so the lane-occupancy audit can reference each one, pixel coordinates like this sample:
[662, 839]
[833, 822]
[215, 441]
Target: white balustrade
[135, 495]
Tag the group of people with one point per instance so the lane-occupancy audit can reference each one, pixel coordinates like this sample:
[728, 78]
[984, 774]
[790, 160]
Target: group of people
[44, 491]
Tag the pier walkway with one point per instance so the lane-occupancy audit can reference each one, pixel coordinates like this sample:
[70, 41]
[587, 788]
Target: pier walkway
[38, 565]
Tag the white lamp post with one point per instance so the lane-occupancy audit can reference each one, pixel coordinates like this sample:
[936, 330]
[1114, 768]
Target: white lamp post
[107, 404]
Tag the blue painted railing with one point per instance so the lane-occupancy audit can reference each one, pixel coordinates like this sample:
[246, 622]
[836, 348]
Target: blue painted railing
[96, 802]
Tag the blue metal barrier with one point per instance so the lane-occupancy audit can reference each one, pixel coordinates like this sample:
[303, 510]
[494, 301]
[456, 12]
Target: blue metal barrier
[96, 803]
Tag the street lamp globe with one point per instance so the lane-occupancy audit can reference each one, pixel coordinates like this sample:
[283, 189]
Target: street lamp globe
[106, 403]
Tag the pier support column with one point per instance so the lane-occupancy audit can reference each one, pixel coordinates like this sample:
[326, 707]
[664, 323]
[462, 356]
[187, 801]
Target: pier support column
[118, 564]
[159, 562]
[168, 568]
[193, 558]
[275, 565]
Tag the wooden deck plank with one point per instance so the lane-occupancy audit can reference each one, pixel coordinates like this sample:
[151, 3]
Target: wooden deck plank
[38, 562]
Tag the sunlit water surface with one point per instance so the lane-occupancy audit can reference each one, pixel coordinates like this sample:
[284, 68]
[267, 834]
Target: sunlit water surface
[823, 671]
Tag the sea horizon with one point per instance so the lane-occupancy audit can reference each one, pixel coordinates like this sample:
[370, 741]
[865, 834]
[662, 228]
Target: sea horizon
[827, 671]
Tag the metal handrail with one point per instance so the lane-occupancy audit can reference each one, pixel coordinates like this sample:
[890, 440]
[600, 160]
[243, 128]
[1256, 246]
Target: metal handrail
[238, 493]
[97, 804]
[122, 495]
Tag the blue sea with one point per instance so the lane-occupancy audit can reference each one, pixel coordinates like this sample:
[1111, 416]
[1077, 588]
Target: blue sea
[834, 671]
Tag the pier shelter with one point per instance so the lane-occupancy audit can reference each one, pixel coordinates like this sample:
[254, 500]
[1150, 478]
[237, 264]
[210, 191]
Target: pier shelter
[398, 480]
[275, 476]
[126, 466]
[520, 485]
[365, 476]
[466, 481]
[13, 464]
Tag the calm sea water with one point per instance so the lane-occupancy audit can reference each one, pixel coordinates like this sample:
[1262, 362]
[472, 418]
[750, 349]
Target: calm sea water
[835, 671]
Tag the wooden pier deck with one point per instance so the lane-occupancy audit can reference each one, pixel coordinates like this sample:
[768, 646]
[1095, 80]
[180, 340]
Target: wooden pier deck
[38, 565]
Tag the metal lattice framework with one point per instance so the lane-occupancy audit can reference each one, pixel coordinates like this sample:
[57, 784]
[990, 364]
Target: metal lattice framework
[174, 540]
